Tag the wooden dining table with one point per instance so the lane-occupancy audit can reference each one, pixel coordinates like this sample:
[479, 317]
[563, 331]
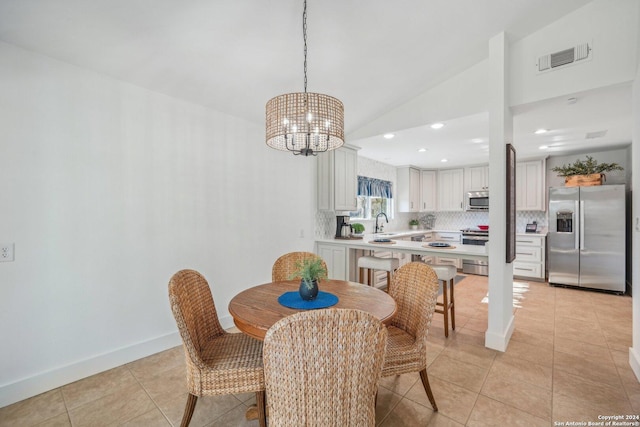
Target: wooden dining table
[256, 309]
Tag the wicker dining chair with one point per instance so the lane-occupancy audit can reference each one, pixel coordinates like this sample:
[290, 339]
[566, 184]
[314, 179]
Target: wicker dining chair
[415, 290]
[285, 266]
[218, 362]
[322, 368]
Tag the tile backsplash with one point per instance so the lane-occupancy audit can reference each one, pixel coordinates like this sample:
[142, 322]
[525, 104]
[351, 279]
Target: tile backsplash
[326, 221]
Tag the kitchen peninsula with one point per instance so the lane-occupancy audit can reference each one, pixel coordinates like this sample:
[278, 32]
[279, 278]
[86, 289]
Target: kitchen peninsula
[341, 254]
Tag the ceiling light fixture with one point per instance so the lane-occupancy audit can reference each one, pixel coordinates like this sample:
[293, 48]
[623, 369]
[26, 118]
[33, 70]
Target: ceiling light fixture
[422, 150]
[476, 140]
[541, 131]
[437, 126]
[543, 147]
[304, 123]
[388, 135]
[444, 160]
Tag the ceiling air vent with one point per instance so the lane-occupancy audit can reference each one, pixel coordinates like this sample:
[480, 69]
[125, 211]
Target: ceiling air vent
[594, 135]
[564, 57]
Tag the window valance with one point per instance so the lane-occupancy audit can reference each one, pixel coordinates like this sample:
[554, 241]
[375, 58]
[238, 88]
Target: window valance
[374, 187]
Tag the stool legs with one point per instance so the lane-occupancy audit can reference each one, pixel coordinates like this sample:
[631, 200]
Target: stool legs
[370, 277]
[448, 306]
[453, 306]
[445, 308]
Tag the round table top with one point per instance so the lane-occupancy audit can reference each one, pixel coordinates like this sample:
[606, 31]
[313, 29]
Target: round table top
[256, 309]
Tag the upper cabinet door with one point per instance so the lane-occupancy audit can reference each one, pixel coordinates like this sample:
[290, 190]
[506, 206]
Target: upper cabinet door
[346, 179]
[408, 189]
[530, 186]
[338, 180]
[428, 191]
[476, 178]
[450, 190]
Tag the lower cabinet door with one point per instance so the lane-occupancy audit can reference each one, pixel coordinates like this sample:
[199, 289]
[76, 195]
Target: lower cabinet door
[527, 269]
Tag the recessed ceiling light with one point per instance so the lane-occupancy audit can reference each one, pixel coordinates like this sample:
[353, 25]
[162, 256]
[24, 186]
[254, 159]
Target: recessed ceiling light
[477, 140]
[444, 160]
[541, 131]
[422, 150]
[543, 147]
[437, 126]
[388, 135]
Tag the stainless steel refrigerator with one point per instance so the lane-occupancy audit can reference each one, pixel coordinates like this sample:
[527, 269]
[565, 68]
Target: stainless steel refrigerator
[586, 237]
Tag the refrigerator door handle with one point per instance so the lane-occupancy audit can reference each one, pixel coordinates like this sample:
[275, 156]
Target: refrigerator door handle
[576, 227]
[581, 225]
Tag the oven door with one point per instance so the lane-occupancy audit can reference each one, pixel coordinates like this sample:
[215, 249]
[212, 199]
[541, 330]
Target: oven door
[474, 240]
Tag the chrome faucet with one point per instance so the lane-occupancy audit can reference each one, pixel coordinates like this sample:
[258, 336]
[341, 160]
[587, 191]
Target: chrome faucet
[379, 228]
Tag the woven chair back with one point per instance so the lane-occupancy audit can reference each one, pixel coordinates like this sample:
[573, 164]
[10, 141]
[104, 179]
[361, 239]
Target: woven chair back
[414, 287]
[322, 368]
[194, 310]
[285, 266]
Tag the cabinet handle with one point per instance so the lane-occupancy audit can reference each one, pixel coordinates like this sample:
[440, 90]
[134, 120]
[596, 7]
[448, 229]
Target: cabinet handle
[411, 205]
[524, 253]
[524, 269]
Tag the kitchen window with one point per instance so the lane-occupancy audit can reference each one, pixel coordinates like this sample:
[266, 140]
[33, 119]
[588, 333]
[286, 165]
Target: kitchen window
[374, 196]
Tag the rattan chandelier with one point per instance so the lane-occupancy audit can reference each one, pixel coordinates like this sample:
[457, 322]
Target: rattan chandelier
[305, 123]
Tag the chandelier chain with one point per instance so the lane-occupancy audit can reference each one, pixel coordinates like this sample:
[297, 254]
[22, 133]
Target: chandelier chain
[304, 34]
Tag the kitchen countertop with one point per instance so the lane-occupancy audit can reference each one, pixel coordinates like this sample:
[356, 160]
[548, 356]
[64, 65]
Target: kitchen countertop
[460, 251]
[408, 233]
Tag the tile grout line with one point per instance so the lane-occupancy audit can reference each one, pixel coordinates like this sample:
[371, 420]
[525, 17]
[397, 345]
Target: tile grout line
[148, 395]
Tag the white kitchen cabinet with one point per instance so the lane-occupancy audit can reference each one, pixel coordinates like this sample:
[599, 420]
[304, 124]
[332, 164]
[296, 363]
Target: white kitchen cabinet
[457, 263]
[335, 256]
[476, 178]
[530, 259]
[338, 179]
[452, 237]
[447, 236]
[408, 189]
[428, 191]
[530, 186]
[450, 190]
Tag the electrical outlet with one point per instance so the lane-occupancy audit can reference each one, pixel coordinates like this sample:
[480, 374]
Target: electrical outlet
[6, 252]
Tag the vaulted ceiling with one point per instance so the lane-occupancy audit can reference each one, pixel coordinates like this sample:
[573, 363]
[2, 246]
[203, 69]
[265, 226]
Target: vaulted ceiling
[234, 55]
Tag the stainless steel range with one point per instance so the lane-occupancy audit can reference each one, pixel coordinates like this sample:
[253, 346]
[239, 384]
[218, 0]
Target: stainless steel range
[473, 236]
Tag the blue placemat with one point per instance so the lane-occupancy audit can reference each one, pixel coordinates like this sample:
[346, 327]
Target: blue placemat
[293, 300]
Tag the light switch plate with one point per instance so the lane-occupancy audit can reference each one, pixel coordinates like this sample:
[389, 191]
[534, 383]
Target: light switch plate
[6, 252]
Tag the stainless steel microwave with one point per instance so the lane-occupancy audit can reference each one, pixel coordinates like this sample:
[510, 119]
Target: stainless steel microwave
[477, 201]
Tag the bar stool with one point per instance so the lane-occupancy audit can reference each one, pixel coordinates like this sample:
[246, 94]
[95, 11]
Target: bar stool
[446, 273]
[376, 263]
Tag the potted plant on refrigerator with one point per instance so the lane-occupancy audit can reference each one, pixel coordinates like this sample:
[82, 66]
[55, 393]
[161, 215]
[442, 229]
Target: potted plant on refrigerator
[585, 172]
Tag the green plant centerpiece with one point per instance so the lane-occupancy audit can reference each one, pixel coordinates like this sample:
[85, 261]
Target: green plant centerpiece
[588, 167]
[414, 223]
[310, 271]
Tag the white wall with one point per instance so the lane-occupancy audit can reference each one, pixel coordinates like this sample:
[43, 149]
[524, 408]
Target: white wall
[462, 95]
[634, 352]
[609, 26]
[107, 190]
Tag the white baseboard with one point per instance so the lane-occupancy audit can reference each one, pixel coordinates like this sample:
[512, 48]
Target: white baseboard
[227, 322]
[39, 383]
[634, 361]
[499, 341]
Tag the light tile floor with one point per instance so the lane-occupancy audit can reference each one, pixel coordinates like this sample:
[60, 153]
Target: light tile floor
[567, 361]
